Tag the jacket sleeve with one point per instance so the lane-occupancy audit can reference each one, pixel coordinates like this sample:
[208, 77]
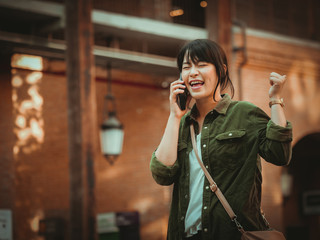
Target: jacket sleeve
[162, 174]
[274, 140]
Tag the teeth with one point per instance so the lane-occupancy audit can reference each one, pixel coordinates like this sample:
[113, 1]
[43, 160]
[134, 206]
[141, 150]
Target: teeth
[196, 82]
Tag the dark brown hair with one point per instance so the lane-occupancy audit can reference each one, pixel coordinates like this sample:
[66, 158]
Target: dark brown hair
[208, 51]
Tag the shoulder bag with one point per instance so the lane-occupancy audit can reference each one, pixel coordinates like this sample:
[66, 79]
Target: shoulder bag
[245, 235]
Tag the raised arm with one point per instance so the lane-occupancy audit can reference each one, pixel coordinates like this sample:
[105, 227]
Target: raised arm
[167, 150]
[276, 103]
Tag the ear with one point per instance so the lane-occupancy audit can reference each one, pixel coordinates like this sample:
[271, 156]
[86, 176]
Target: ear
[225, 68]
[224, 73]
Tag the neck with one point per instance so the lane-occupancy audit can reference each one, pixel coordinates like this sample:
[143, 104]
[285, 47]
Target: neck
[204, 105]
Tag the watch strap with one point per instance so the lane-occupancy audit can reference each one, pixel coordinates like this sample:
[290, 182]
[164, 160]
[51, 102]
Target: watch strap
[276, 101]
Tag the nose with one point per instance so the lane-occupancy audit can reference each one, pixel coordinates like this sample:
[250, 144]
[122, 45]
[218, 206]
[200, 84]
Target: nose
[193, 71]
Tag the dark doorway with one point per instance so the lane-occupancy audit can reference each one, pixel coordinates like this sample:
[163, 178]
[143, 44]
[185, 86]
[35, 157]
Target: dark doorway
[302, 206]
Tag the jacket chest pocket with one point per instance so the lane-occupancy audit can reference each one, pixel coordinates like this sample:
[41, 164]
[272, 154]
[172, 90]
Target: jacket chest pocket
[229, 148]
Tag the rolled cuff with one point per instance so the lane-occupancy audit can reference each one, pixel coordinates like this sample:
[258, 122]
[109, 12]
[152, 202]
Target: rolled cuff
[279, 133]
[163, 174]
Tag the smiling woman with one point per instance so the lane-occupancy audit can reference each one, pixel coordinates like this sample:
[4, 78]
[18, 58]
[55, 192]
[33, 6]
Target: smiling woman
[209, 59]
[230, 136]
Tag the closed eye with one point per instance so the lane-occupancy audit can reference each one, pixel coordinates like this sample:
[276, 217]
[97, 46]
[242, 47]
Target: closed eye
[201, 64]
[185, 66]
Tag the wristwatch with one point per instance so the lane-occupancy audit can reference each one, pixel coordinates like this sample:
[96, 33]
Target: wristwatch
[277, 101]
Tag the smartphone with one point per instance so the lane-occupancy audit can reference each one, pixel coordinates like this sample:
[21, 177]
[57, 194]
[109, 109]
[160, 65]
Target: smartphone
[182, 98]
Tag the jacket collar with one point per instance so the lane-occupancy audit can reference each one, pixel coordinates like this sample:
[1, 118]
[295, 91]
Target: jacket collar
[223, 104]
[220, 108]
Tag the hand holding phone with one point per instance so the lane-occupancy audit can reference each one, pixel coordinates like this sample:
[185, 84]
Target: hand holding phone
[182, 98]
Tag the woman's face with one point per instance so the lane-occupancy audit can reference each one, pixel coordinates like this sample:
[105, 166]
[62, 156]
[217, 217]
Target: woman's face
[200, 78]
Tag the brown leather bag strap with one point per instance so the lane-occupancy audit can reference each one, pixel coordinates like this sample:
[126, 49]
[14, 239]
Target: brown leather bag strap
[213, 186]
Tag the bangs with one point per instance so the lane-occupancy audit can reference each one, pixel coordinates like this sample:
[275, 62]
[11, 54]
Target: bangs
[197, 54]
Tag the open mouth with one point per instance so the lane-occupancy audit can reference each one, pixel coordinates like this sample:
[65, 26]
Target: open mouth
[196, 83]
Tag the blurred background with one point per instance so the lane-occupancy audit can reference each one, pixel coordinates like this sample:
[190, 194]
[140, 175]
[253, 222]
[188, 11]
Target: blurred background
[72, 71]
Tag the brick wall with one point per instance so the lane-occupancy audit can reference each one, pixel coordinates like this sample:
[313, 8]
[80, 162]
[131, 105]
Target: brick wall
[41, 175]
[42, 171]
[128, 185]
[301, 65]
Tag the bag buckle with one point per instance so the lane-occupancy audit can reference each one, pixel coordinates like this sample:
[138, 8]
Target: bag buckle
[213, 187]
[265, 219]
[239, 226]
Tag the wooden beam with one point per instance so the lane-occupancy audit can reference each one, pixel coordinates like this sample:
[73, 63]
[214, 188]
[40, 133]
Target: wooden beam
[81, 118]
[7, 142]
[39, 7]
[118, 24]
[219, 23]
[128, 26]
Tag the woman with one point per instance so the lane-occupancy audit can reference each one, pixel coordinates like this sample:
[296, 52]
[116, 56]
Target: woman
[231, 137]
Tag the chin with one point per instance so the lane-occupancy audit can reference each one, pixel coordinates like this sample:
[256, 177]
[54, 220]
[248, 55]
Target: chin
[198, 96]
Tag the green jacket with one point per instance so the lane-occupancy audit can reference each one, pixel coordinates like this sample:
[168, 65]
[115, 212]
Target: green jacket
[234, 136]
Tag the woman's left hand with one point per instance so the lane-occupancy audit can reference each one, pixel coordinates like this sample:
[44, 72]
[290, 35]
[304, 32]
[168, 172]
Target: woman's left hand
[276, 81]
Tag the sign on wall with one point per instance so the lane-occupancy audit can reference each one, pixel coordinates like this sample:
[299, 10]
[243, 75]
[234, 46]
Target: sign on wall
[311, 202]
[5, 224]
